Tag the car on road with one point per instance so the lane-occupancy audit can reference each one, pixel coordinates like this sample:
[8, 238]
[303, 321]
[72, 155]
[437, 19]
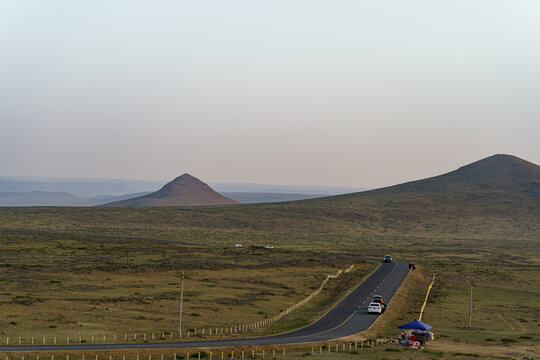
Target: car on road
[387, 259]
[374, 308]
[379, 299]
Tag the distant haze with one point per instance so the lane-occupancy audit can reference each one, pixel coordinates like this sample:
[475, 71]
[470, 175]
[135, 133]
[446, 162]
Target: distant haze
[325, 93]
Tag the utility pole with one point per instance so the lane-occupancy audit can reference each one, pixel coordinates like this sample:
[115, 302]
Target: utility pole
[181, 301]
[470, 304]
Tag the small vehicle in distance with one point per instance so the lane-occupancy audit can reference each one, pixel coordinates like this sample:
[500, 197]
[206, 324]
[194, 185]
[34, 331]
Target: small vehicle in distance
[387, 259]
[374, 308]
[379, 299]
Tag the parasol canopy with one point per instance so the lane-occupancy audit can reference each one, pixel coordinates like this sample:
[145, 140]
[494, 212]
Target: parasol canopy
[415, 325]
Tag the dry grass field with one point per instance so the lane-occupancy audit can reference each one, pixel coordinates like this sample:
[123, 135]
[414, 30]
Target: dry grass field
[107, 269]
[58, 286]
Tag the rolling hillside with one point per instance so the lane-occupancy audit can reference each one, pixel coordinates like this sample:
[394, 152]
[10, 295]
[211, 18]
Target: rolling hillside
[497, 184]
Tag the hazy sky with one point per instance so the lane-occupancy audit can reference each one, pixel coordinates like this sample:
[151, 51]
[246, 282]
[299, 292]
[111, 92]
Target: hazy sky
[355, 93]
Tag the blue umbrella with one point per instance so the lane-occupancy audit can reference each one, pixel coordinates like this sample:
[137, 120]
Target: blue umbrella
[415, 325]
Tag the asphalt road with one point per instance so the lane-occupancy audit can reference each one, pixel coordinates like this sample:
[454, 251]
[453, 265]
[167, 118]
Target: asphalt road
[348, 317]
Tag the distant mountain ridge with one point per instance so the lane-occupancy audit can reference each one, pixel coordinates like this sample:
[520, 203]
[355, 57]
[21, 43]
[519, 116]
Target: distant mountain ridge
[266, 197]
[185, 190]
[57, 198]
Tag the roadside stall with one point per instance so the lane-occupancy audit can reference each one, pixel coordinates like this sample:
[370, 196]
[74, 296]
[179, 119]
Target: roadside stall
[416, 334]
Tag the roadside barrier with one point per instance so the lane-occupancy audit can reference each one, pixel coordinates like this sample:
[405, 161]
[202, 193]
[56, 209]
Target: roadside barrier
[427, 296]
[213, 332]
[215, 354]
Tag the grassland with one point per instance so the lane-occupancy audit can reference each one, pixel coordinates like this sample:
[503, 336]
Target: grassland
[64, 266]
[62, 286]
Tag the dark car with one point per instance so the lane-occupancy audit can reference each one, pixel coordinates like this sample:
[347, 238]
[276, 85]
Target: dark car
[387, 259]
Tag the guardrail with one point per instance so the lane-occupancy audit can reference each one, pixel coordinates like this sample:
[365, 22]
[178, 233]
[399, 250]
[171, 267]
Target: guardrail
[215, 353]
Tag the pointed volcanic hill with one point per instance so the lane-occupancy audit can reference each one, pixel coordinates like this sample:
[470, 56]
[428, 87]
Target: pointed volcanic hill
[184, 190]
[497, 184]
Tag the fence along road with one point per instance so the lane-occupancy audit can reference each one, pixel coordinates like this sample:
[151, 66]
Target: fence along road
[348, 317]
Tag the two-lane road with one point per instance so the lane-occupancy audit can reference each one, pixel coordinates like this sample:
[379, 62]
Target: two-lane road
[348, 317]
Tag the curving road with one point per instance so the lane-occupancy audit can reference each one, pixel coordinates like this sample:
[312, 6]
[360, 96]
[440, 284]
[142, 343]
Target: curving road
[348, 317]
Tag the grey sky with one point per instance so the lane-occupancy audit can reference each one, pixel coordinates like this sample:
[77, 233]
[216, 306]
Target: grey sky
[352, 93]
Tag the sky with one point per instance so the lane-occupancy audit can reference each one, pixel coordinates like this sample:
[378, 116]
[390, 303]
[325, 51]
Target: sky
[338, 93]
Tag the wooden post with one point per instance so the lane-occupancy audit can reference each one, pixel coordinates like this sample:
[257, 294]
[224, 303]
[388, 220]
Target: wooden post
[470, 303]
[181, 301]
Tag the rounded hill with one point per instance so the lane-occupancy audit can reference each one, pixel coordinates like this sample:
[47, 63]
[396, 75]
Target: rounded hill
[185, 190]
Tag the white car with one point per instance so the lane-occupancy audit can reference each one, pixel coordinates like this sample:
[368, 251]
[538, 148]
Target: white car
[268, 247]
[374, 308]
